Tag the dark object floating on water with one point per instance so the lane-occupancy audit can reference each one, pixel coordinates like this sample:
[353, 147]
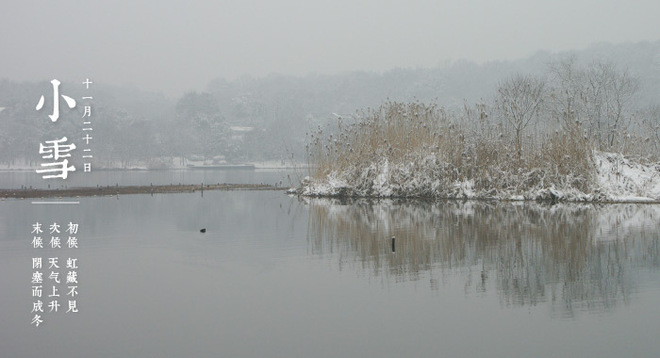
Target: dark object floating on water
[393, 246]
[202, 230]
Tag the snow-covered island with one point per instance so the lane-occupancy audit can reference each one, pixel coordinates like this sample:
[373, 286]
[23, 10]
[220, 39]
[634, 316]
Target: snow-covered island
[576, 135]
[615, 179]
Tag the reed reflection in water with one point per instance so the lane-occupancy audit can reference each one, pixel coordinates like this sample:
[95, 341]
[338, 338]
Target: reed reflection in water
[572, 257]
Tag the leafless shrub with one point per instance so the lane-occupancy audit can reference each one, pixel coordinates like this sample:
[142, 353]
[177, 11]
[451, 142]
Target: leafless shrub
[429, 150]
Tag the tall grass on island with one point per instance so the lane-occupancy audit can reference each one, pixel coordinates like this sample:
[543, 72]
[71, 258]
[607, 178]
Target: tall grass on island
[421, 150]
[559, 137]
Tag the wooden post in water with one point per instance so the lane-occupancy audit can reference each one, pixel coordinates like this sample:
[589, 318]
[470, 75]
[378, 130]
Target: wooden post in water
[202, 189]
[393, 246]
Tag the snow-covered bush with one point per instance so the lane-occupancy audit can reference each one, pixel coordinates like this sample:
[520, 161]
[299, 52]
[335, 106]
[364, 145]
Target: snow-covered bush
[419, 150]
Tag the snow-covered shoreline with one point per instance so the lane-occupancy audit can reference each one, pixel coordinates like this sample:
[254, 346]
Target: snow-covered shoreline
[615, 179]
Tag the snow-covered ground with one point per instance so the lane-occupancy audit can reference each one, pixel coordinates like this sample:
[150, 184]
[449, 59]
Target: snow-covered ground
[620, 179]
[615, 179]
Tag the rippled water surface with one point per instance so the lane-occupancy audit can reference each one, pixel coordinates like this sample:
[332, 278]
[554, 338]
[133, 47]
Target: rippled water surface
[279, 276]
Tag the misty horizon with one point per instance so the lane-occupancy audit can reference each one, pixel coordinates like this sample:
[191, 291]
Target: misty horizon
[447, 64]
[173, 48]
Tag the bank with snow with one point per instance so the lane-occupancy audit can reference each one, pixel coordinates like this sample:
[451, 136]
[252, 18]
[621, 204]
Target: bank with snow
[614, 178]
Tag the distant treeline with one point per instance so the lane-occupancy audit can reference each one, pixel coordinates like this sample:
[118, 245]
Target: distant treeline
[269, 118]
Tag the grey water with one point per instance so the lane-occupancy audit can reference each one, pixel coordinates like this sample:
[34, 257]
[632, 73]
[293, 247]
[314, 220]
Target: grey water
[282, 276]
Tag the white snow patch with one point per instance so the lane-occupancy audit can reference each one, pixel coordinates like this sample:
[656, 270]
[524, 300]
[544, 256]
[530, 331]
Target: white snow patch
[465, 189]
[334, 185]
[620, 179]
[381, 185]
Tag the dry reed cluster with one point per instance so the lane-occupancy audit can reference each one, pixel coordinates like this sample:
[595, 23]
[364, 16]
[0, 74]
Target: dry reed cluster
[422, 150]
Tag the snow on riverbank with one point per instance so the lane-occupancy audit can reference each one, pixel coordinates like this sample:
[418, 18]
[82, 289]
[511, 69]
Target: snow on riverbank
[620, 179]
[615, 179]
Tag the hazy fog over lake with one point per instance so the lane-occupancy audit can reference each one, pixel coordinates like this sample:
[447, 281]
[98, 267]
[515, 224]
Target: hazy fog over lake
[175, 46]
[409, 99]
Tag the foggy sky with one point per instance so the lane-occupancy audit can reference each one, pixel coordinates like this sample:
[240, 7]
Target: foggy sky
[176, 46]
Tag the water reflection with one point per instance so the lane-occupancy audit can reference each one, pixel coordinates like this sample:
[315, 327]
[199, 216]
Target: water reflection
[574, 257]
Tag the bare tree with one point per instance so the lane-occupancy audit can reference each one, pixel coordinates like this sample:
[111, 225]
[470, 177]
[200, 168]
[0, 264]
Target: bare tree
[519, 100]
[607, 93]
[597, 96]
[564, 101]
[651, 127]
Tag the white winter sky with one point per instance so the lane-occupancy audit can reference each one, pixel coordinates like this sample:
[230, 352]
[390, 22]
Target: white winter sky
[177, 46]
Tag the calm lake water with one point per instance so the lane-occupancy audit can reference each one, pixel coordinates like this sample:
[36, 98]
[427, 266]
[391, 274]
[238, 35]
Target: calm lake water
[279, 276]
